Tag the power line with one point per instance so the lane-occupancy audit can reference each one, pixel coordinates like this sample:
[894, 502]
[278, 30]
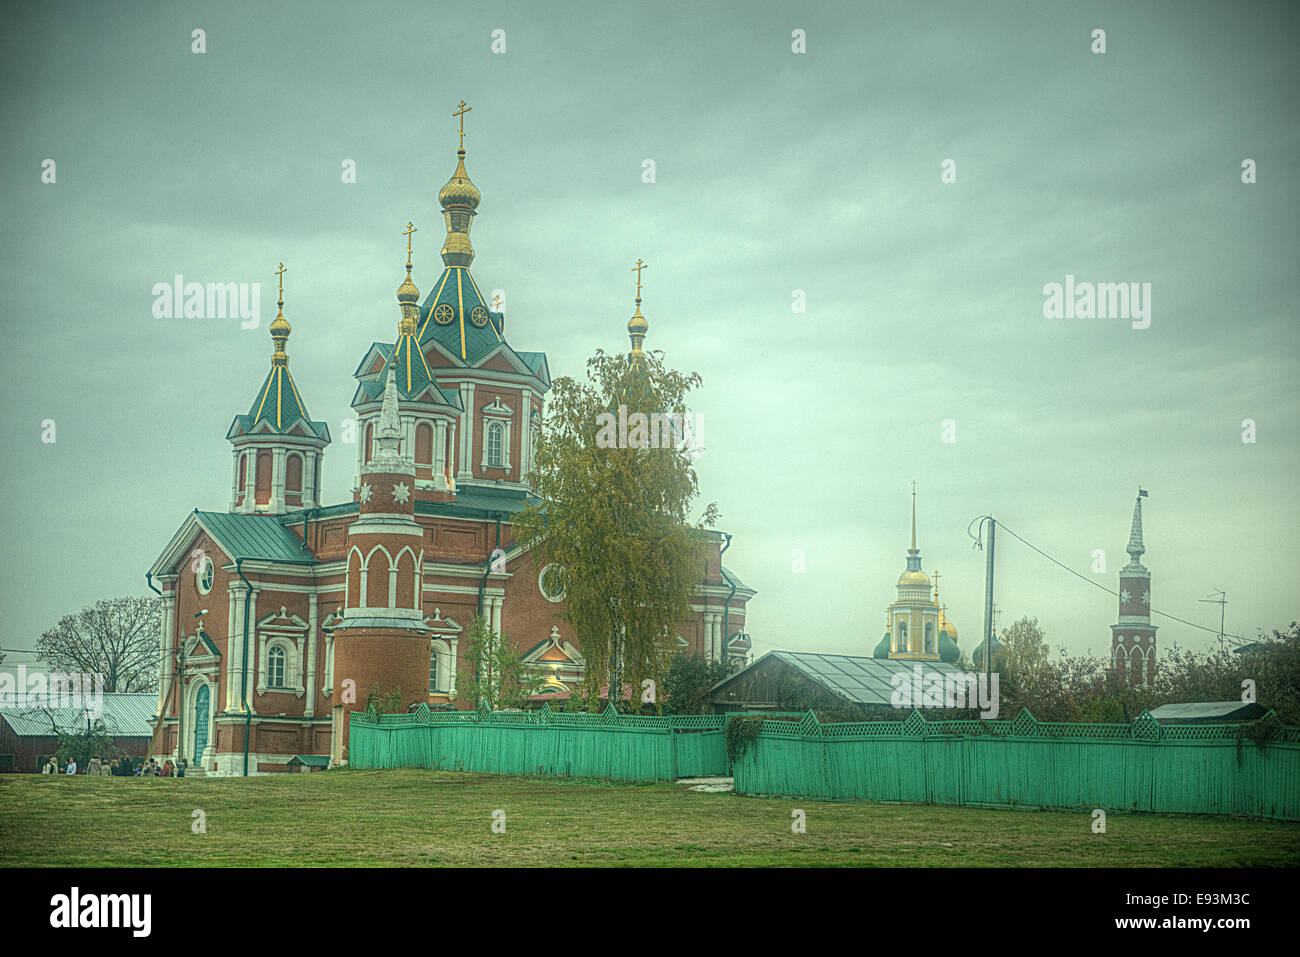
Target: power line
[1163, 614]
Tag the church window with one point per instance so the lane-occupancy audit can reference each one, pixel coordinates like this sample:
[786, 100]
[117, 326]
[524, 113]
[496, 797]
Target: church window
[263, 478]
[929, 638]
[495, 436]
[551, 583]
[370, 440]
[207, 572]
[275, 667]
[293, 474]
[902, 636]
[243, 471]
[433, 666]
[423, 444]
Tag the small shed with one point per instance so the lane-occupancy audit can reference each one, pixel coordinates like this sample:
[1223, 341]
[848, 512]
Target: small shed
[301, 763]
[1208, 712]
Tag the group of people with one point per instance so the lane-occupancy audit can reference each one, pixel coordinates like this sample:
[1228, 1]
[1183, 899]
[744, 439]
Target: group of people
[120, 768]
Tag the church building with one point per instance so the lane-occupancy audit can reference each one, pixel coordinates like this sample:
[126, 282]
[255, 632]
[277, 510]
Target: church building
[281, 612]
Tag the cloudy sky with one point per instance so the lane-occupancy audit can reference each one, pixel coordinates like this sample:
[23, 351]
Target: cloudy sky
[775, 172]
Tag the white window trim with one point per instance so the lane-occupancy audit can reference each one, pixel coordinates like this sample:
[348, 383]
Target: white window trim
[496, 411]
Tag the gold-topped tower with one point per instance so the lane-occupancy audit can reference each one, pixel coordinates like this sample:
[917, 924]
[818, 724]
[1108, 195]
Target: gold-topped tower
[459, 199]
[280, 327]
[407, 293]
[637, 325]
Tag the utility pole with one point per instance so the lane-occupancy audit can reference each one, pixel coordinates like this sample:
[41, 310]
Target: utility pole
[1221, 601]
[988, 586]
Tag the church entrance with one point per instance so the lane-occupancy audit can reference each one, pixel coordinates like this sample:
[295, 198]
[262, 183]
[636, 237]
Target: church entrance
[202, 699]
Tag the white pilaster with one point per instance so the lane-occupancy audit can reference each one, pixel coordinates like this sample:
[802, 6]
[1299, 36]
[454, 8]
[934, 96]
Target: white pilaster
[309, 677]
[165, 647]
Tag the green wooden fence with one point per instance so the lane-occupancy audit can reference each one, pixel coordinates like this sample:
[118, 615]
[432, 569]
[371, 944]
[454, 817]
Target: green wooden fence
[607, 745]
[1142, 766]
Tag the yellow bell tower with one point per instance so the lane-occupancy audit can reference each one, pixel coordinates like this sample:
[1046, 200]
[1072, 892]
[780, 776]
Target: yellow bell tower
[914, 616]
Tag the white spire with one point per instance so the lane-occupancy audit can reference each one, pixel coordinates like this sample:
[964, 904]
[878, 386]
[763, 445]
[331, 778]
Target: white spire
[388, 437]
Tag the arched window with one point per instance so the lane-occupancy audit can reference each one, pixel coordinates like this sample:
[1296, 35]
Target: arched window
[370, 440]
[275, 667]
[495, 435]
[263, 478]
[293, 474]
[433, 666]
[423, 444]
[902, 636]
[929, 638]
[243, 471]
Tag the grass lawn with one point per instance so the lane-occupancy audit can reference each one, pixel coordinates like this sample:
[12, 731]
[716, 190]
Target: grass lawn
[414, 817]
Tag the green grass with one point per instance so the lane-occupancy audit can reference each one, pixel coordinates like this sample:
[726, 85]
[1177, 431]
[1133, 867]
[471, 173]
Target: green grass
[438, 818]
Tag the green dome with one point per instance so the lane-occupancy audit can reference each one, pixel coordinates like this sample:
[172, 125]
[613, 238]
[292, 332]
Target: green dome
[999, 652]
[882, 649]
[948, 650]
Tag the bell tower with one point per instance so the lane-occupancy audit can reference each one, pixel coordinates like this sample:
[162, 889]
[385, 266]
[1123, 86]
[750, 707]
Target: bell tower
[381, 644]
[1133, 637]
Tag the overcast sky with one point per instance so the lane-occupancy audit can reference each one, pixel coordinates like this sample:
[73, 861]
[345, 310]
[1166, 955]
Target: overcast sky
[775, 171]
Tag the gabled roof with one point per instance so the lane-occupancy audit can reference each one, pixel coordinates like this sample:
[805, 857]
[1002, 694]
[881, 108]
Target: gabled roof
[240, 536]
[125, 715]
[865, 681]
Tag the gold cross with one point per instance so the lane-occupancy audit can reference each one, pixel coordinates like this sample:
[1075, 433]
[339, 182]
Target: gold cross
[496, 302]
[279, 273]
[637, 269]
[461, 113]
[937, 576]
[410, 228]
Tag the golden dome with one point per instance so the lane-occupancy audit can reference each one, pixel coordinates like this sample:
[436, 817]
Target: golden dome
[407, 291]
[280, 327]
[917, 579]
[946, 625]
[459, 192]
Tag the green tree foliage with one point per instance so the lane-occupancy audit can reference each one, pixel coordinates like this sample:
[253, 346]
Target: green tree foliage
[92, 740]
[1085, 687]
[687, 682]
[617, 519]
[499, 678]
[117, 638]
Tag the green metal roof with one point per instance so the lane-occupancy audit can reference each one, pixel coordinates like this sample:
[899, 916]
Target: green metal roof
[456, 316]
[310, 760]
[255, 537]
[860, 680]
[125, 715]
[1196, 711]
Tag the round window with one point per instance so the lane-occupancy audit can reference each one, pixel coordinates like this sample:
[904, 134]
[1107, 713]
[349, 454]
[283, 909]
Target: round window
[551, 583]
[206, 573]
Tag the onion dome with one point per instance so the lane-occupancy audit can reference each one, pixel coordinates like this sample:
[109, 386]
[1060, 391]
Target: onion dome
[945, 626]
[459, 193]
[459, 199]
[999, 653]
[882, 649]
[948, 650]
[280, 327]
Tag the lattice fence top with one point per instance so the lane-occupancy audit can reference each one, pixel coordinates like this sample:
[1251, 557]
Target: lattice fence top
[1143, 728]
